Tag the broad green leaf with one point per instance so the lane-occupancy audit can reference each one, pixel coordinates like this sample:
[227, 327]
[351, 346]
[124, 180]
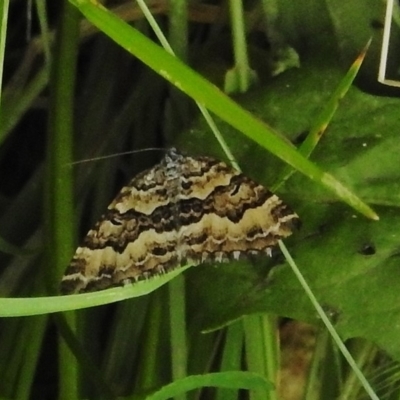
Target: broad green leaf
[349, 262]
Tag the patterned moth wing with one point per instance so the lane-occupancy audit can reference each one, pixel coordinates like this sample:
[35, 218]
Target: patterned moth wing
[184, 210]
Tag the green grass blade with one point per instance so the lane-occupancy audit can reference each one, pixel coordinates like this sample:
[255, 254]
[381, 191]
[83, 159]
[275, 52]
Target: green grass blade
[323, 119]
[15, 105]
[261, 352]
[231, 357]
[332, 331]
[3, 33]
[58, 195]
[229, 380]
[34, 330]
[239, 78]
[178, 329]
[13, 307]
[9, 248]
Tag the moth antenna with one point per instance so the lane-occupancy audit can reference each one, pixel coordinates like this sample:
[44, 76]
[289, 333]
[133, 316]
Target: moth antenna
[100, 158]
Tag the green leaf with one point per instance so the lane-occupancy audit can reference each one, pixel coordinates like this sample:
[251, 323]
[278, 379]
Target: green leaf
[230, 380]
[15, 307]
[350, 263]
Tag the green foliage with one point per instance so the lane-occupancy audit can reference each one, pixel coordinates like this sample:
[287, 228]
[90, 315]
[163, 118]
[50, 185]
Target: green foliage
[124, 350]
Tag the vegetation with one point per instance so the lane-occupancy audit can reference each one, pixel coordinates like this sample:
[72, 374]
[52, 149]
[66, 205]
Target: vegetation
[90, 81]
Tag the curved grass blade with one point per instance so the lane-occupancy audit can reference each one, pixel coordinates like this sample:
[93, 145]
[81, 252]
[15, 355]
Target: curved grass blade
[19, 307]
[230, 380]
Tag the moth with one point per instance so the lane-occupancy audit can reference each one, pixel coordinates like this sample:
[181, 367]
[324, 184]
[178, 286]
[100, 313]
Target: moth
[183, 210]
